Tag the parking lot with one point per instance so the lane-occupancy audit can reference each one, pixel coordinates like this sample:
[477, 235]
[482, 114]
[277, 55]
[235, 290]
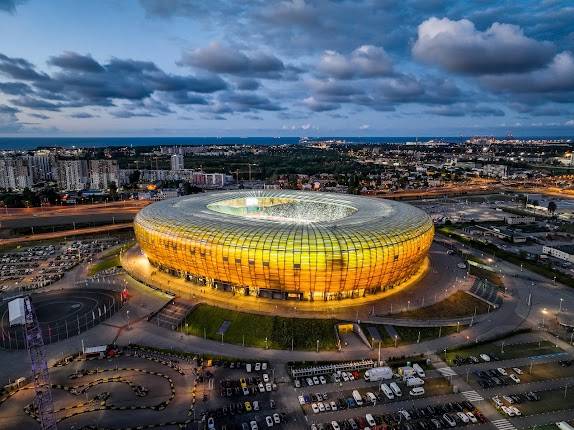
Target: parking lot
[41, 265]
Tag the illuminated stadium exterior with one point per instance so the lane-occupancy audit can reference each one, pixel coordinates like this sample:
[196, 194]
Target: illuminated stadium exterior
[286, 244]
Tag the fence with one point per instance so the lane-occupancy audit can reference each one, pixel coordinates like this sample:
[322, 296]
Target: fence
[13, 338]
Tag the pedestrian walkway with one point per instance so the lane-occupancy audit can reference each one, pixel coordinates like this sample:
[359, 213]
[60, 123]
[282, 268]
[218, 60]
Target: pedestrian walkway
[446, 371]
[472, 396]
[503, 424]
[172, 315]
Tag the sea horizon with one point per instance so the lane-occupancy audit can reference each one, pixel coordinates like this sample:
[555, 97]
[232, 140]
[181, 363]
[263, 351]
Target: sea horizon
[31, 143]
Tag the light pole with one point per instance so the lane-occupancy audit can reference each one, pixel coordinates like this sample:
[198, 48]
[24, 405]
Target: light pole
[396, 338]
[561, 300]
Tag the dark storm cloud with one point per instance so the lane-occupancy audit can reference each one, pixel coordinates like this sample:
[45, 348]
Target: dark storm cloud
[247, 84]
[20, 69]
[36, 104]
[14, 88]
[81, 82]
[218, 58]
[557, 77]
[458, 46]
[74, 61]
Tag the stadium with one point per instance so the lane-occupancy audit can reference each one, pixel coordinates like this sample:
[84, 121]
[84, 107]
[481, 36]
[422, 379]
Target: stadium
[286, 244]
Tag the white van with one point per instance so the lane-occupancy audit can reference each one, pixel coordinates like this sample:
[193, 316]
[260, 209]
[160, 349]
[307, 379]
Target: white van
[387, 391]
[358, 398]
[396, 389]
[417, 391]
[414, 382]
[419, 370]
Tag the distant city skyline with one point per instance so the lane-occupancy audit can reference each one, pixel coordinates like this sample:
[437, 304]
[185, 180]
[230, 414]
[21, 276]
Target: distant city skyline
[286, 68]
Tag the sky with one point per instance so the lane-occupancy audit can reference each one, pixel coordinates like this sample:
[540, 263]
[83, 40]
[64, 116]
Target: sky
[286, 68]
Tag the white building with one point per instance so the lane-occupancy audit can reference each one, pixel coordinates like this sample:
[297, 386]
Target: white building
[177, 162]
[43, 164]
[15, 173]
[103, 173]
[562, 252]
[495, 170]
[72, 175]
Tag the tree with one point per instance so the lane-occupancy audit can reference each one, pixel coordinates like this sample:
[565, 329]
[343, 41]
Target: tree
[113, 188]
[551, 207]
[134, 177]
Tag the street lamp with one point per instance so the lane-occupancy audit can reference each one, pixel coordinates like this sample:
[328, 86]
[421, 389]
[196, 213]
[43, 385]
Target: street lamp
[561, 300]
[543, 314]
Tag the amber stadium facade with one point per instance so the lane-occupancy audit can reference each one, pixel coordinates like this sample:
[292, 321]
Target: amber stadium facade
[286, 244]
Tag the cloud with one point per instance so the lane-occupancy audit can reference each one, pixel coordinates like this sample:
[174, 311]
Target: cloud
[557, 77]
[243, 102]
[9, 5]
[15, 88]
[247, 84]
[38, 115]
[465, 109]
[8, 119]
[318, 106]
[457, 46]
[82, 115]
[83, 82]
[74, 61]
[218, 58]
[367, 61]
[20, 69]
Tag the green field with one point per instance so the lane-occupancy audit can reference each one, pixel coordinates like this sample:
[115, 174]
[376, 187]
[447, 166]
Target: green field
[459, 304]
[106, 263]
[253, 329]
[408, 335]
[109, 259]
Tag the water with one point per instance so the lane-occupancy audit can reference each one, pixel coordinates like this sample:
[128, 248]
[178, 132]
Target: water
[24, 143]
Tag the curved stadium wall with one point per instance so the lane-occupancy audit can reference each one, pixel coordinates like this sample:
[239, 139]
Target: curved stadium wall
[286, 244]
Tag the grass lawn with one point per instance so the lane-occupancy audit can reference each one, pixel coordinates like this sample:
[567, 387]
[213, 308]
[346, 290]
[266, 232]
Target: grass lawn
[551, 400]
[408, 335]
[254, 329]
[103, 264]
[492, 277]
[109, 259]
[510, 351]
[459, 304]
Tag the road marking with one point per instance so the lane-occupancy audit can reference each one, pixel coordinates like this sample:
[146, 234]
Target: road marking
[446, 371]
[503, 424]
[472, 396]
